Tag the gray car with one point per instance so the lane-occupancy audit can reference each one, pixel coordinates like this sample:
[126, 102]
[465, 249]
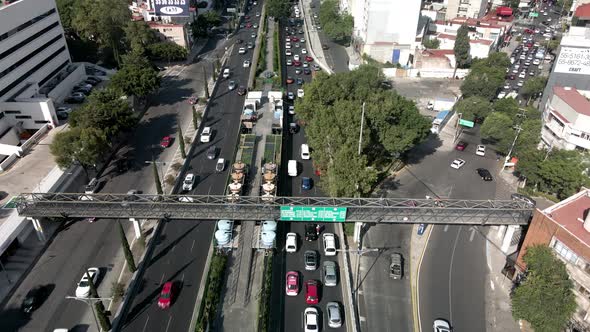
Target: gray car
[311, 260]
[330, 274]
[211, 152]
[232, 85]
[334, 314]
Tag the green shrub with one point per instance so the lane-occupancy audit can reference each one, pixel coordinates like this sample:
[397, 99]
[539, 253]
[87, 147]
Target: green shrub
[264, 301]
[212, 291]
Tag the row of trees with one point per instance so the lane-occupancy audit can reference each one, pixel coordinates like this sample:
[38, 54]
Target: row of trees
[338, 26]
[279, 9]
[90, 30]
[332, 110]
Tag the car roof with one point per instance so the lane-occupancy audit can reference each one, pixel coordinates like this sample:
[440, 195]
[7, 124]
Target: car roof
[167, 286]
[190, 176]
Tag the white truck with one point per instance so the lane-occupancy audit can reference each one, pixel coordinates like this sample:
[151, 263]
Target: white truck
[441, 104]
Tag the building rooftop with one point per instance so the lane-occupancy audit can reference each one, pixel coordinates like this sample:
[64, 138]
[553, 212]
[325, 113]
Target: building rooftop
[583, 11]
[573, 98]
[437, 53]
[576, 37]
[570, 214]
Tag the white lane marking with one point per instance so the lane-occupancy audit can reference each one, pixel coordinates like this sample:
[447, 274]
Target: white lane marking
[162, 279]
[146, 321]
[492, 285]
[168, 325]
[446, 228]
[182, 279]
[472, 234]
[192, 245]
[451, 272]
[180, 72]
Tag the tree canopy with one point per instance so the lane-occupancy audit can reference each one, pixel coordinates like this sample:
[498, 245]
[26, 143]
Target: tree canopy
[136, 77]
[497, 128]
[433, 43]
[545, 298]
[167, 51]
[486, 76]
[278, 9]
[534, 86]
[78, 146]
[331, 110]
[472, 107]
[338, 26]
[139, 36]
[461, 47]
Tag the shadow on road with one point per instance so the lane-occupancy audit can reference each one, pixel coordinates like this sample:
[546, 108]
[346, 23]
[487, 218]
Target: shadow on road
[165, 251]
[428, 147]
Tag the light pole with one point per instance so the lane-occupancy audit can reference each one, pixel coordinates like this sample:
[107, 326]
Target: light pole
[90, 301]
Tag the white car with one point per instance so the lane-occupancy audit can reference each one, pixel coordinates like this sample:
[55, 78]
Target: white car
[329, 244]
[520, 83]
[83, 289]
[522, 74]
[242, 50]
[246, 63]
[441, 326]
[289, 62]
[291, 109]
[296, 57]
[457, 163]
[311, 320]
[290, 95]
[536, 62]
[300, 93]
[302, 40]
[507, 86]
[291, 243]
[288, 53]
[206, 135]
[481, 150]
[303, 51]
[288, 39]
[189, 182]
[501, 95]
[287, 45]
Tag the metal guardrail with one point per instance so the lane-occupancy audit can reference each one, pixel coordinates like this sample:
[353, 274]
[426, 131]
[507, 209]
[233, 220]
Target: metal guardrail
[210, 207]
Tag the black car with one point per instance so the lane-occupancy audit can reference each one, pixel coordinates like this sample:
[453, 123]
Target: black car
[311, 233]
[239, 41]
[325, 47]
[306, 71]
[241, 91]
[484, 174]
[74, 100]
[211, 152]
[33, 299]
[299, 81]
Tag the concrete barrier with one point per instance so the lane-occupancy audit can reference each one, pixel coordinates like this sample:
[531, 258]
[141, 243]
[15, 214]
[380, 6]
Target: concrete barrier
[350, 306]
[8, 162]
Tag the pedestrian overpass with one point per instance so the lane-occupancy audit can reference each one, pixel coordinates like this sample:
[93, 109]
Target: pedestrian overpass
[316, 209]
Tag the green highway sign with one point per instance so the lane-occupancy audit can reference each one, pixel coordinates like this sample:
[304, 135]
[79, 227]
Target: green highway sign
[533, 14]
[311, 213]
[466, 123]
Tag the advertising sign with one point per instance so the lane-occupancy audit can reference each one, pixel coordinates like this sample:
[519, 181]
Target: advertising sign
[310, 213]
[573, 60]
[176, 8]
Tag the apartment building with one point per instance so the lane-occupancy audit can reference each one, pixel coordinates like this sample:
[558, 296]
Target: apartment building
[565, 227]
[465, 8]
[566, 120]
[386, 30]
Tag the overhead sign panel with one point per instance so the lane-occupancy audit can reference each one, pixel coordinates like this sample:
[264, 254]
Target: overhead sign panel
[176, 8]
[311, 213]
[466, 123]
[573, 60]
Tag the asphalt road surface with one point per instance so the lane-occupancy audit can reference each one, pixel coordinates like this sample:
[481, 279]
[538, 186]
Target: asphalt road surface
[288, 315]
[182, 251]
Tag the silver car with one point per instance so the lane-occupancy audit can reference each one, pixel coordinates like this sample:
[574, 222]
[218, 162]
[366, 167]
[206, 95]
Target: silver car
[334, 315]
[311, 260]
[330, 274]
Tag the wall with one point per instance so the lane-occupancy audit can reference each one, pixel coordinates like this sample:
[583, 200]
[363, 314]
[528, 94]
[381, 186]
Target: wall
[8, 162]
[437, 73]
[10, 137]
[63, 89]
[39, 109]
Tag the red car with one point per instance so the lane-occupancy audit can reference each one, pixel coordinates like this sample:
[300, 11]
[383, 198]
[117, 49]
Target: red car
[461, 146]
[312, 291]
[248, 25]
[290, 80]
[166, 141]
[308, 58]
[296, 63]
[166, 296]
[295, 39]
[292, 284]
[529, 31]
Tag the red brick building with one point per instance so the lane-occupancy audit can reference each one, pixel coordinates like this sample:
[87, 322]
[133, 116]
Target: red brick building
[565, 228]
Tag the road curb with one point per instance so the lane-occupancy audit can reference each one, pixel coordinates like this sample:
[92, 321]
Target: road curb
[324, 66]
[351, 323]
[202, 285]
[415, 279]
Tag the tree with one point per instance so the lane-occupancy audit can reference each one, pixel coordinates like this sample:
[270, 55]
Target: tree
[497, 128]
[181, 143]
[66, 12]
[196, 119]
[278, 9]
[136, 77]
[432, 43]
[89, 20]
[529, 136]
[564, 5]
[534, 86]
[167, 51]
[545, 298]
[103, 320]
[508, 106]
[338, 26]
[105, 110]
[461, 48]
[349, 174]
[157, 177]
[206, 84]
[472, 107]
[126, 250]
[486, 76]
[200, 27]
[139, 36]
[79, 146]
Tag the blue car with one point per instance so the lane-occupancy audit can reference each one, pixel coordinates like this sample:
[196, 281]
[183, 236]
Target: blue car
[421, 229]
[306, 183]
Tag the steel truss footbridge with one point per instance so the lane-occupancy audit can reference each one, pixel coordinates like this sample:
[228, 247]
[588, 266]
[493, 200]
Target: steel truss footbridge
[208, 207]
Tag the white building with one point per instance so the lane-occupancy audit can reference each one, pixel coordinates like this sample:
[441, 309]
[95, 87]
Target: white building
[385, 30]
[566, 120]
[465, 8]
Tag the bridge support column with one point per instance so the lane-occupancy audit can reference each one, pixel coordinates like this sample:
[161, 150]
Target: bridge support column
[501, 231]
[507, 241]
[358, 226]
[38, 229]
[136, 227]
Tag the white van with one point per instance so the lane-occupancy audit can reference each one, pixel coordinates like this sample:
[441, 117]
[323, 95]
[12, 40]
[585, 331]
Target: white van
[226, 73]
[305, 152]
[292, 168]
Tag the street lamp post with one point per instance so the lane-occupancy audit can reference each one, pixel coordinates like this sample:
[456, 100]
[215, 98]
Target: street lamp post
[90, 301]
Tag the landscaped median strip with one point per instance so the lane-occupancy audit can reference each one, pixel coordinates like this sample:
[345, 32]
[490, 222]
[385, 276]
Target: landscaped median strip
[211, 292]
[264, 304]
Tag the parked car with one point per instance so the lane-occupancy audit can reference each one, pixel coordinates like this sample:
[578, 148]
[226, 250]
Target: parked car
[165, 299]
[481, 150]
[206, 135]
[83, 289]
[457, 163]
[231, 85]
[75, 98]
[461, 146]
[484, 174]
[292, 283]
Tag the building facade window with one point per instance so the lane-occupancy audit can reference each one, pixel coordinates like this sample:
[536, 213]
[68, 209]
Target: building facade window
[12, 112]
[26, 24]
[565, 252]
[28, 40]
[42, 121]
[23, 117]
[29, 56]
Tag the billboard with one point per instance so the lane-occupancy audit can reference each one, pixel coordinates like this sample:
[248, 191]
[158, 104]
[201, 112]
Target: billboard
[573, 60]
[176, 8]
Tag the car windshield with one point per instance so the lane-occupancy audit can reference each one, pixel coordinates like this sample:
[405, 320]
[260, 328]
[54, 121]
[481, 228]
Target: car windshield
[292, 286]
[165, 295]
[311, 326]
[83, 283]
[187, 181]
